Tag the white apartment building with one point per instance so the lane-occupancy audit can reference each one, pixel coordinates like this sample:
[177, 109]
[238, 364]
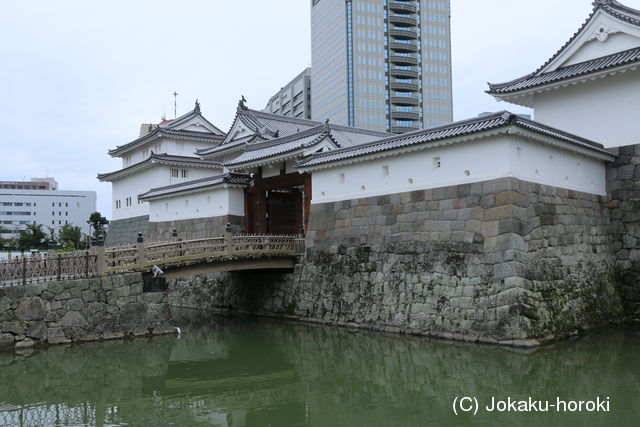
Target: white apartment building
[40, 202]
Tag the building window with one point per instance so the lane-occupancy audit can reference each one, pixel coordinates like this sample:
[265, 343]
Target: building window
[184, 173]
[118, 204]
[174, 173]
[128, 201]
[385, 171]
[436, 163]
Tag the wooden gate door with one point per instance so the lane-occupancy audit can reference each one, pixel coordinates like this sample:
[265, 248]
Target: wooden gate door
[284, 211]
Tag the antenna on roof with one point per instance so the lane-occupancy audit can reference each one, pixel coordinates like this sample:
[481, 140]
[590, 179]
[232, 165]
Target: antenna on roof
[175, 105]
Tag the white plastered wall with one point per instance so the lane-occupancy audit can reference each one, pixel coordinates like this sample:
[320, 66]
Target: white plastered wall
[219, 201]
[602, 110]
[474, 161]
[141, 182]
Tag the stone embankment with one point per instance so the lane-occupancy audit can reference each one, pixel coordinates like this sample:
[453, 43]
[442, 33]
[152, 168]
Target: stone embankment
[81, 310]
[503, 261]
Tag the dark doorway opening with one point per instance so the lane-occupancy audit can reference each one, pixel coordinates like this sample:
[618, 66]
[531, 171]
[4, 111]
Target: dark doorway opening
[278, 204]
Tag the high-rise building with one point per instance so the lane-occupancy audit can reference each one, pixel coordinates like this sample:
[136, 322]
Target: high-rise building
[294, 99]
[381, 64]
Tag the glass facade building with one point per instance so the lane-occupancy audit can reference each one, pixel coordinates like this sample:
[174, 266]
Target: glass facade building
[381, 64]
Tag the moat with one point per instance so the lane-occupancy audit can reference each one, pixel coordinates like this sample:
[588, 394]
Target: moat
[254, 372]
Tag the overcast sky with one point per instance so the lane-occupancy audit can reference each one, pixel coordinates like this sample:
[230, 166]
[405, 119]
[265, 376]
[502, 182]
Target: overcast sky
[78, 77]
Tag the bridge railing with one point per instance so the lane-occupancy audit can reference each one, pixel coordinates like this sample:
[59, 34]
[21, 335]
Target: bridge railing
[45, 267]
[141, 257]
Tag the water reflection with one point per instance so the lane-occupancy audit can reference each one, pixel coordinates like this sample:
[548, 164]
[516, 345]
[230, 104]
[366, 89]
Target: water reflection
[254, 372]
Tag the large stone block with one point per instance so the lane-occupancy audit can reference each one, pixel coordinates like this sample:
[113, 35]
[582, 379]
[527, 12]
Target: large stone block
[12, 327]
[5, 304]
[73, 319]
[31, 309]
[6, 340]
[37, 330]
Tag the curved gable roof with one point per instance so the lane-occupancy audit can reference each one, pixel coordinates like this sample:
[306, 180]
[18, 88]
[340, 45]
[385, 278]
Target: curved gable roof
[550, 73]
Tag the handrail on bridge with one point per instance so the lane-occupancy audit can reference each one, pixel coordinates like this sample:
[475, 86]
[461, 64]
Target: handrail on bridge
[141, 257]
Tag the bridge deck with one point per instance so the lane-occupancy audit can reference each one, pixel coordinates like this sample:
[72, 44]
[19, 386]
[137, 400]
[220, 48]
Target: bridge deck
[226, 253]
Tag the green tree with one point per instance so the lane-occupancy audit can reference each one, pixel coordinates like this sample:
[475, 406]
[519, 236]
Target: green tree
[70, 236]
[97, 223]
[32, 238]
[3, 242]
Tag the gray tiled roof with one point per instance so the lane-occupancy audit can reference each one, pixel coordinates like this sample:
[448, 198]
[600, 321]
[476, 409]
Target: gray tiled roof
[341, 136]
[611, 7]
[171, 124]
[572, 71]
[158, 132]
[280, 146]
[163, 159]
[272, 126]
[275, 135]
[199, 184]
[268, 125]
[457, 129]
[229, 146]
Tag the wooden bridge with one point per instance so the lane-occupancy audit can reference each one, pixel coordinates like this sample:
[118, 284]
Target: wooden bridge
[177, 258]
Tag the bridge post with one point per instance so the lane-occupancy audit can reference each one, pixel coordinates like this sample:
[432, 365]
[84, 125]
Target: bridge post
[140, 251]
[101, 259]
[101, 264]
[228, 241]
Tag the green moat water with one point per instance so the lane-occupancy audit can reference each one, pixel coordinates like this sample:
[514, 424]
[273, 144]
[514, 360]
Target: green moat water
[256, 372]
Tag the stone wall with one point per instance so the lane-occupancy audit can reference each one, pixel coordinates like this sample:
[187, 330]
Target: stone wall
[80, 310]
[499, 261]
[190, 229]
[125, 231]
[624, 203]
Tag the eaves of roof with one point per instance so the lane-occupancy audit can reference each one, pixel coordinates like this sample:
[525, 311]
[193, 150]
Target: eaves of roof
[611, 7]
[171, 124]
[584, 70]
[161, 159]
[452, 133]
[229, 147]
[160, 132]
[287, 147]
[199, 185]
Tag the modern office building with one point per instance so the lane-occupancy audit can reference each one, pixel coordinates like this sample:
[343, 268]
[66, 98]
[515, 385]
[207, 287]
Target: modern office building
[40, 202]
[383, 65]
[294, 99]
